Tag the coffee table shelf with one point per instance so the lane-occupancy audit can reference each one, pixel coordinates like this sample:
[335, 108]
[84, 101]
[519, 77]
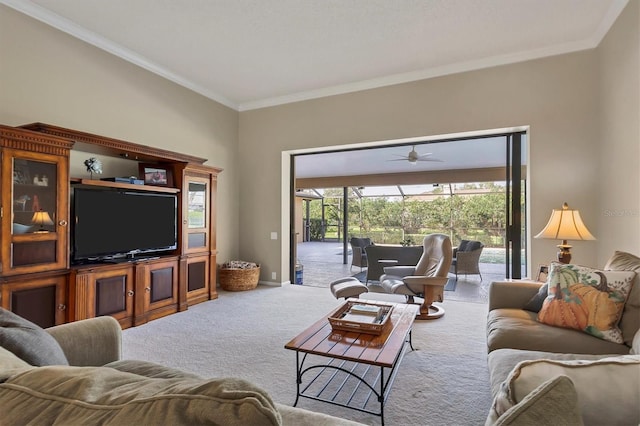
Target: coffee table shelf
[349, 368]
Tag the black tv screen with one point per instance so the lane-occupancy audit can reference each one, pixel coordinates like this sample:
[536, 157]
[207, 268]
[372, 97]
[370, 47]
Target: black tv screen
[112, 223]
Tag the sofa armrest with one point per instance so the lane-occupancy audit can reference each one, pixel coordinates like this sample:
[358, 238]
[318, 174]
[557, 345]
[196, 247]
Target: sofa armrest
[511, 294]
[90, 342]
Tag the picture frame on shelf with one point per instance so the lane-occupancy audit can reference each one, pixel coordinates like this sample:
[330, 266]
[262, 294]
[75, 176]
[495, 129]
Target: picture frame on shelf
[156, 174]
[543, 273]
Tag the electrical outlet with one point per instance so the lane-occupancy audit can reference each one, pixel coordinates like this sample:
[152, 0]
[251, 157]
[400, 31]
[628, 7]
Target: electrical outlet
[273, 275]
[274, 235]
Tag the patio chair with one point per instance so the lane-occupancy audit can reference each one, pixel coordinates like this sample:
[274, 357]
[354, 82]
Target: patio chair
[427, 279]
[358, 254]
[466, 258]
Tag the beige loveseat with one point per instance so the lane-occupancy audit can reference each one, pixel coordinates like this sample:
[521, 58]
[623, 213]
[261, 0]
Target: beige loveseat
[97, 387]
[524, 353]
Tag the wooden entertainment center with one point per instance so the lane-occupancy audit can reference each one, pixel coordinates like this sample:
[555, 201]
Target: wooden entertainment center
[37, 278]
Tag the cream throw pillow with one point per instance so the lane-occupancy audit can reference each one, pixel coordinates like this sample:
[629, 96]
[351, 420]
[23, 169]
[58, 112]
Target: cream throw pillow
[630, 322]
[554, 402]
[608, 389]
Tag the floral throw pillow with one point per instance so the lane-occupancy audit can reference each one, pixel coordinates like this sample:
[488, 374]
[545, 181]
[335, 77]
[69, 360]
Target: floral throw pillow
[586, 299]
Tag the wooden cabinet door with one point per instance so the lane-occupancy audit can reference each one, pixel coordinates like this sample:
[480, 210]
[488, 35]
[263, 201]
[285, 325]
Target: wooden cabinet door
[42, 301]
[156, 289]
[35, 212]
[103, 290]
[198, 236]
[197, 274]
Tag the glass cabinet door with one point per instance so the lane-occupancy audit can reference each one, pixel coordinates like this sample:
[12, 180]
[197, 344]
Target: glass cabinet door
[36, 198]
[197, 205]
[196, 220]
[34, 195]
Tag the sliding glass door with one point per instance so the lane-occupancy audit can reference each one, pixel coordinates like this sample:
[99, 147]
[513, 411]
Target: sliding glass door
[515, 241]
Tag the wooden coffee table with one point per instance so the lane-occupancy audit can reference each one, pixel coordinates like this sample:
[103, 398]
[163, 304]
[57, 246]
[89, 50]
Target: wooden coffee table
[350, 368]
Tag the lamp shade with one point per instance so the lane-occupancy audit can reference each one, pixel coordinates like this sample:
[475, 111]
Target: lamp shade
[565, 224]
[41, 218]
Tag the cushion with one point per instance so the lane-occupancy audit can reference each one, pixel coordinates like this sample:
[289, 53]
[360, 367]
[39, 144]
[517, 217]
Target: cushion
[103, 395]
[149, 369]
[520, 329]
[28, 341]
[502, 361]
[472, 246]
[535, 303]
[553, 402]
[630, 322]
[635, 344]
[608, 389]
[586, 299]
[10, 364]
[463, 245]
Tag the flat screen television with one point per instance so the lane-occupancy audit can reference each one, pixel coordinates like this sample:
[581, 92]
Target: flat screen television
[116, 225]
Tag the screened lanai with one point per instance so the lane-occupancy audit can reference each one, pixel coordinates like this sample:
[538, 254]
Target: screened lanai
[462, 188]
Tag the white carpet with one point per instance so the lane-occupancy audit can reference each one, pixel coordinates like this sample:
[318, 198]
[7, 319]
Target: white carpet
[444, 381]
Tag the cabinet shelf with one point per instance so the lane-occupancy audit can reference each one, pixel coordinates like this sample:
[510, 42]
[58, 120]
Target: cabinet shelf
[30, 186]
[109, 184]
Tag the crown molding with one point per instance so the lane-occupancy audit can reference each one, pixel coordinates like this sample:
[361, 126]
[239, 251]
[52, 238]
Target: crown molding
[409, 77]
[44, 15]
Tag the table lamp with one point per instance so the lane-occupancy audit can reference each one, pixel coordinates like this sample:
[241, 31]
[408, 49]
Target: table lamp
[41, 218]
[565, 224]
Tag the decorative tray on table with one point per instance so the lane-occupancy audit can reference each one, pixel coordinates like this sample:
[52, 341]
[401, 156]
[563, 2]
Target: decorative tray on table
[361, 317]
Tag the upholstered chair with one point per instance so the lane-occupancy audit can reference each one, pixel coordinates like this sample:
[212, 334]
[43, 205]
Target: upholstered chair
[426, 280]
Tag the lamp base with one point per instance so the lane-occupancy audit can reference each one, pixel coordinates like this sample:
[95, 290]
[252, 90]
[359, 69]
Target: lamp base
[564, 254]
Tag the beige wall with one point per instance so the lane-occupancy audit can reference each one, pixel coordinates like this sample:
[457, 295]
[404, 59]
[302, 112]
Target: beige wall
[554, 96]
[582, 110]
[558, 97]
[48, 76]
[618, 196]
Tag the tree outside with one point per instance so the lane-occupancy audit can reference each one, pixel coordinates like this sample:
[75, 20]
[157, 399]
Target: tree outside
[473, 211]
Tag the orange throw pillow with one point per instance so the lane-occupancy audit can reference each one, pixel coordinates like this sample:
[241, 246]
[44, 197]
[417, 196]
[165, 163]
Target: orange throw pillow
[586, 299]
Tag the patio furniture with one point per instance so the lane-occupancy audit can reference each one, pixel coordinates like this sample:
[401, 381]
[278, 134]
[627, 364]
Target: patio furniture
[379, 256]
[426, 279]
[358, 253]
[466, 258]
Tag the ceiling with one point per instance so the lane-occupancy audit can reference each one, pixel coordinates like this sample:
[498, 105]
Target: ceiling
[249, 54]
[460, 154]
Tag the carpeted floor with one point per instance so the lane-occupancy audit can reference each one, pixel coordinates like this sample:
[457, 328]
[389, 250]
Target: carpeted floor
[242, 334]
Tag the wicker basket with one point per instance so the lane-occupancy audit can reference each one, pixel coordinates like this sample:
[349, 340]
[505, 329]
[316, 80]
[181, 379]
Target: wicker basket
[232, 279]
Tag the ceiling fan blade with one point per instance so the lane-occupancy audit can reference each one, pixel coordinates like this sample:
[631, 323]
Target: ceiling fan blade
[398, 159]
[431, 159]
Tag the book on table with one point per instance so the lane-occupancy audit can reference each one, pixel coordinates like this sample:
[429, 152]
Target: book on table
[366, 310]
[368, 314]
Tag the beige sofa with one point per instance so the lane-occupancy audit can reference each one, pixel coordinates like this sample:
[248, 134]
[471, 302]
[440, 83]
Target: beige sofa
[523, 352]
[97, 387]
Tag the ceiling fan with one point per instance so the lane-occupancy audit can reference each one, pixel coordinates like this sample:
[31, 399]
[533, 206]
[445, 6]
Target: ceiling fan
[413, 157]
